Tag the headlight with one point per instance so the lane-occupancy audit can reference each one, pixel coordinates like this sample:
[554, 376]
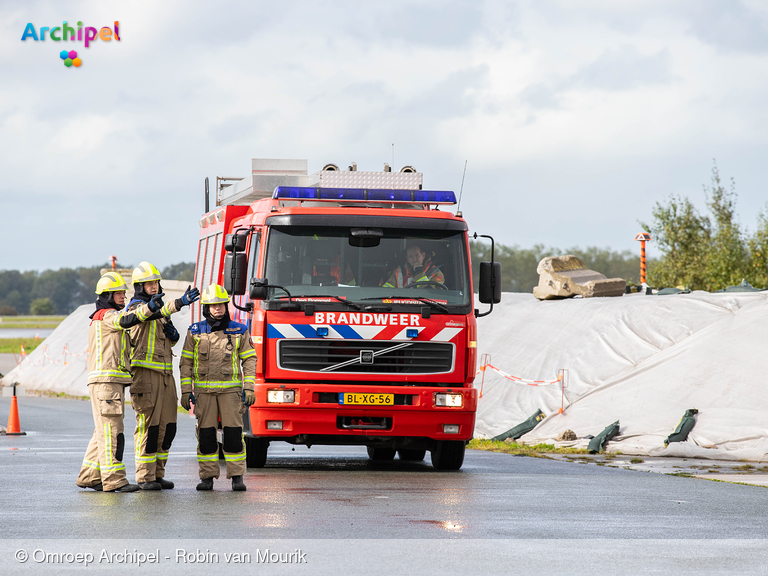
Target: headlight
[453, 400]
[281, 396]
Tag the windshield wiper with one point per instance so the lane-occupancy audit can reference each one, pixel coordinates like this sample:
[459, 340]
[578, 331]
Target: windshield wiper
[347, 302]
[432, 303]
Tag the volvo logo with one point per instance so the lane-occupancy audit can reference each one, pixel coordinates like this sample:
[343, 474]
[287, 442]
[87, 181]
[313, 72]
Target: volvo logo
[366, 356]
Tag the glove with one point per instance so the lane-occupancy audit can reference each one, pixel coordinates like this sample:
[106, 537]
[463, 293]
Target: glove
[187, 399]
[249, 397]
[191, 295]
[156, 303]
[170, 331]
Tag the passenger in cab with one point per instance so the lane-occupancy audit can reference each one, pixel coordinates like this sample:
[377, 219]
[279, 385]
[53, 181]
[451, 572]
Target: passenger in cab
[418, 268]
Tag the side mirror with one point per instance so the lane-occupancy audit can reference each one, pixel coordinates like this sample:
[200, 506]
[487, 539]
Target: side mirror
[259, 289]
[235, 272]
[489, 286]
[235, 242]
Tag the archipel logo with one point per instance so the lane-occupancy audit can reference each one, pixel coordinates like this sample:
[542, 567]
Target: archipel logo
[67, 33]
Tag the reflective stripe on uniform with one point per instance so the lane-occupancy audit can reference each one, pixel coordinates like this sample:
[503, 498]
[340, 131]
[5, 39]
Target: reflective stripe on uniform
[141, 439]
[207, 458]
[234, 457]
[248, 354]
[228, 384]
[110, 465]
[110, 373]
[235, 371]
[162, 455]
[94, 465]
[152, 365]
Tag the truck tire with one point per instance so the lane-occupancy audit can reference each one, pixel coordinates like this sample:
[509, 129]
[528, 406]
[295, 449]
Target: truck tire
[381, 454]
[412, 455]
[255, 452]
[448, 455]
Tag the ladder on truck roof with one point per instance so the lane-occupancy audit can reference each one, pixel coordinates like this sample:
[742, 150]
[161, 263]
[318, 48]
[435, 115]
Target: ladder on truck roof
[267, 174]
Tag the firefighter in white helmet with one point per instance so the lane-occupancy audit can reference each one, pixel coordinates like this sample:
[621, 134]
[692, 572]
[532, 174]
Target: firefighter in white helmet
[218, 368]
[109, 372]
[153, 392]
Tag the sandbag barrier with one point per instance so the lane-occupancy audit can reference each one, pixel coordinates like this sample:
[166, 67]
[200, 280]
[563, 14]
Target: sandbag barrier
[597, 444]
[684, 427]
[522, 428]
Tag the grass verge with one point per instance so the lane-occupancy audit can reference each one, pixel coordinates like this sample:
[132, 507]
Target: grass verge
[536, 450]
[13, 345]
[31, 322]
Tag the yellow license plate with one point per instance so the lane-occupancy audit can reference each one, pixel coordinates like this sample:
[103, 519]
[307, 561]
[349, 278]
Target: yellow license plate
[366, 399]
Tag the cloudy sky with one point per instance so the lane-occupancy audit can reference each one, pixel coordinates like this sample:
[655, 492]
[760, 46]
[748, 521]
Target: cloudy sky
[575, 117]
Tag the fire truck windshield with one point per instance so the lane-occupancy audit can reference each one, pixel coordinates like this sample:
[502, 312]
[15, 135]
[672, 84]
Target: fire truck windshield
[384, 263]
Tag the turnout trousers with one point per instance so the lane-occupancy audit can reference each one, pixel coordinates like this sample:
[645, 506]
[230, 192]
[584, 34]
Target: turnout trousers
[154, 399]
[208, 408]
[103, 462]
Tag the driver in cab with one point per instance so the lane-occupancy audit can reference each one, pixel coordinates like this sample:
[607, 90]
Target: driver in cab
[417, 269]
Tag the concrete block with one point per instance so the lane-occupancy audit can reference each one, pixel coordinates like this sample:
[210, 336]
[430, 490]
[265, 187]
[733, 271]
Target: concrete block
[567, 276]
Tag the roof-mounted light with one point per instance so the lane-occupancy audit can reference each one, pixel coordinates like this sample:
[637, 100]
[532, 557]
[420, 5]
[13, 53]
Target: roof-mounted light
[365, 195]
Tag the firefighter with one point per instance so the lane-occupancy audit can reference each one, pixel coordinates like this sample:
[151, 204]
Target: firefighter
[109, 372]
[153, 392]
[218, 368]
[418, 268]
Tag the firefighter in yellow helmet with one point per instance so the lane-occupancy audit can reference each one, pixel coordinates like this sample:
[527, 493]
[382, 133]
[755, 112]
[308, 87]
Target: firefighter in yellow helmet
[153, 392]
[109, 372]
[218, 368]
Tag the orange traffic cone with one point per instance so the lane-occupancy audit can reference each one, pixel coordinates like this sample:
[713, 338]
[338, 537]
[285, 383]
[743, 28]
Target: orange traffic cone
[14, 428]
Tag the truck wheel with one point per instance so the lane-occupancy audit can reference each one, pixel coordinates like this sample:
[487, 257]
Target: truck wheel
[449, 455]
[255, 452]
[412, 455]
[381, 454]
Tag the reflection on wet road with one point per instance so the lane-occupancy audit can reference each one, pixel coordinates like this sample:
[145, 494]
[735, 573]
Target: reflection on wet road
[336, 492]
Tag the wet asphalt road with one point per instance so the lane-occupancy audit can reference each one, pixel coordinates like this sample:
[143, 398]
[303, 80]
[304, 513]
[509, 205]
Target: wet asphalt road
[331, 492]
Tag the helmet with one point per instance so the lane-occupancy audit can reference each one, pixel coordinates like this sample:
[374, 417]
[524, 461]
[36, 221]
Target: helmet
[110, 282]
[214, 294]
[145, 272]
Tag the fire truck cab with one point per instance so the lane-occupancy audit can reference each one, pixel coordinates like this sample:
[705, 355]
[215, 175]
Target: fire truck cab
[357, 292]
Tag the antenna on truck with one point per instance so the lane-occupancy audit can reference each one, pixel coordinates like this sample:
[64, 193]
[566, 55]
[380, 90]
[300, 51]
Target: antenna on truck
[458, 208]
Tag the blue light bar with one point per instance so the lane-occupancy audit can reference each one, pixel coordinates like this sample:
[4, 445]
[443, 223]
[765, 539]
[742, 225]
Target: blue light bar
[365, 195]
[411, 332]
[322, 331]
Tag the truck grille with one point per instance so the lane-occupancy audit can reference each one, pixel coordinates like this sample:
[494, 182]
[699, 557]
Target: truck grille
[365, 357]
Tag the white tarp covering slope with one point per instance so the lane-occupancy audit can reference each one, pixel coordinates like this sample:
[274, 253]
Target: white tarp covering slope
[45, 370]
[642, 360]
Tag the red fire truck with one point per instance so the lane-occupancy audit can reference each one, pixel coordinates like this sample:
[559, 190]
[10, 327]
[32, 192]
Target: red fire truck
[357, 292]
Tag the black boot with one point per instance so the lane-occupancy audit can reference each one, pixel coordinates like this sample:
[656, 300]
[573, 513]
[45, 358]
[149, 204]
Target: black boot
[128, 488]
[165, 484]
[237, 484]
[205, 484]
[150, 485]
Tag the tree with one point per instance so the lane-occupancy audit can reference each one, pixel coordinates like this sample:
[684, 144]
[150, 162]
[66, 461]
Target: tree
[757, 270]
[61, 286]
[727, 261]
[8, 311]
[184, 271]
[682, 235]
[706, 253]
[41, 307]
